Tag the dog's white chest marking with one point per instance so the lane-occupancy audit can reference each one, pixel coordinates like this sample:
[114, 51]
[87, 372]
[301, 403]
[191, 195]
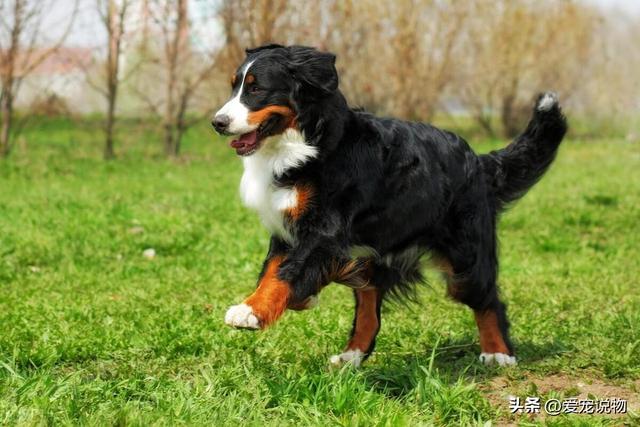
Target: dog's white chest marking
[257, 188]
[270, 202]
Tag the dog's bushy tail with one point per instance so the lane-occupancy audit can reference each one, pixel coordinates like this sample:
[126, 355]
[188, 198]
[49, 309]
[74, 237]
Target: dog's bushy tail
[513, 170]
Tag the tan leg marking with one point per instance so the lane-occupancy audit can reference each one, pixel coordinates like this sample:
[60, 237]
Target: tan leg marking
[367, 322]
[491, 340]
[271, 298]
[365, 330]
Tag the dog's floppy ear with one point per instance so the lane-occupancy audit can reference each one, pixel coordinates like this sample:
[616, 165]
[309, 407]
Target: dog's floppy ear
[313, 68]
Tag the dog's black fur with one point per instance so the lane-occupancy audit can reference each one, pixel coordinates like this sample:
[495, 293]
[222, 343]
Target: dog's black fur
[400, 188]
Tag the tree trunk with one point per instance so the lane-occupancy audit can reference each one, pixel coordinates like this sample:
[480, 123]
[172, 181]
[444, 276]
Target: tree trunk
[508, 113]
[172, 112]
[173, 134]
[112, 97]
[113, 57]
[180, 129]
[485, 123]
[169, 140]
[6, 116]
[108, 142]
[170, 101]
[181, 123]
[509, 117]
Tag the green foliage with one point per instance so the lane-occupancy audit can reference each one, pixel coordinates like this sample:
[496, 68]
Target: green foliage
[92, 332]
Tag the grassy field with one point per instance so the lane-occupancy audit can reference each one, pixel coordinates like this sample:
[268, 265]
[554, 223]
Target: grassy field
[92, 332]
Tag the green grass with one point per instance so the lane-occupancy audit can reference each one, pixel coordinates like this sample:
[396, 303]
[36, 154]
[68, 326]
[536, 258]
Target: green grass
[93, 333]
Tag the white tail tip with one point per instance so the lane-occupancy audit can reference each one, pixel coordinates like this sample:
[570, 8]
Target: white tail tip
[547, 101]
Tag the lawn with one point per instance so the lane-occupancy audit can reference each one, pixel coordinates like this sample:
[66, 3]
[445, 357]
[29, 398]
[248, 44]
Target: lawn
[94, 333]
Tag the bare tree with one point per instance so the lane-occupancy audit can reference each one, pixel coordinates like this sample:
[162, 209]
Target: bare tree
[175, 46]
[610, 95]
[113, 16]
[179, 65]
[412, 44]
[412, 58]
[514, 49]
[424, 37]
[251, 23]
[21, 52]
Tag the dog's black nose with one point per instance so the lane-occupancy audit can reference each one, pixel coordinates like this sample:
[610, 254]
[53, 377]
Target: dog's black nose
[220, 122]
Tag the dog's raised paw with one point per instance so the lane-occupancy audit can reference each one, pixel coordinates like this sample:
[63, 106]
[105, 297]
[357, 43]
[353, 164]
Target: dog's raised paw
[241, 316]
[353, 357]
[499, 358]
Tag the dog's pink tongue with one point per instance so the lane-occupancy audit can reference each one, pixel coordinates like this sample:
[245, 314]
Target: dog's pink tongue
[245, 143]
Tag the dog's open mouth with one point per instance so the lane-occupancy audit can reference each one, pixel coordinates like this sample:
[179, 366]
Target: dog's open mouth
[247, 143]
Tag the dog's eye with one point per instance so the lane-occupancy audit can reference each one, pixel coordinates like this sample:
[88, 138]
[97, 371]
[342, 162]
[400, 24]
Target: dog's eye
[255, 89]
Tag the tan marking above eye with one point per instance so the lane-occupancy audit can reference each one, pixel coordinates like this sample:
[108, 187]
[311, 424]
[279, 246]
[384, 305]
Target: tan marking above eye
[249, 79]
[257, 117]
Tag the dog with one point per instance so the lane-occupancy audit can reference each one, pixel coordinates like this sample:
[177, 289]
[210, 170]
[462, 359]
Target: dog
[359, 200]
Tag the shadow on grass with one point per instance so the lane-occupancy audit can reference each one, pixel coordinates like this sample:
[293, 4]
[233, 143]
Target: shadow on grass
[450, 362]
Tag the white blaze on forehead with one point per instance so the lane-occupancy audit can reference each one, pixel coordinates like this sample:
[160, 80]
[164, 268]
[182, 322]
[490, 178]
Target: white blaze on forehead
[237, 111]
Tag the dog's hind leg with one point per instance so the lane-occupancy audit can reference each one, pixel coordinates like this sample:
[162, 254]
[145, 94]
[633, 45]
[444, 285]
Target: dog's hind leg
[366, 325]
[394, 274]
[494, 338]
[472, 280]
[490, 315]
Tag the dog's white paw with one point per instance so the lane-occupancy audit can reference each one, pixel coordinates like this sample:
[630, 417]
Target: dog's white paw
[353, 357]
[499, 358]
[547, 101]
[241, 316]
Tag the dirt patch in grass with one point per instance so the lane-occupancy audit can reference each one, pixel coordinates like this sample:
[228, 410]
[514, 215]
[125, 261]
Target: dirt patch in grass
[500, 389]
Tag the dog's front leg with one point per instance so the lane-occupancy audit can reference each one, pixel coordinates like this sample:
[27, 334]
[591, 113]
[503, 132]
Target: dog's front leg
[291, 278]
[267, 303]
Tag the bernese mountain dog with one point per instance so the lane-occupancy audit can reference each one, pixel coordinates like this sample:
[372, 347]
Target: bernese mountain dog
[360, 200]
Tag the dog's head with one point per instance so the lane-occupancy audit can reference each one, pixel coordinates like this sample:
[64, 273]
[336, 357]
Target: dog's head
[269, 90]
